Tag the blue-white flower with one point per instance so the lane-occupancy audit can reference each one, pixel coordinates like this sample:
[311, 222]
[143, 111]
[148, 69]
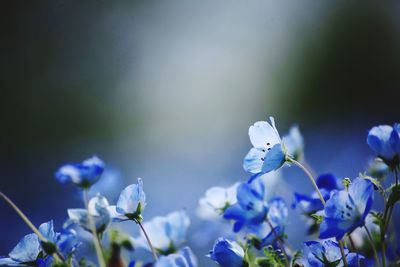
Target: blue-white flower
[327, 253]
[28, 250]
[98, 209]
[346, 210]
[294, 143]
[378, 169]
[216, 200]
[183, 258]
[309, 204]
[131, 203]
[25, 253]
[277, 216]
[227, 253]
[385, 141]
[82, 174]
[267, 153]
[167, 233]
[251, 207]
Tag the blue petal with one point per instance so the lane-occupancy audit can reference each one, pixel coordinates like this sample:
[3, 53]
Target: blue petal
[264, 135]
[227, 253]
[333, 228]
[187, 253]
[362, 192]
[250, 196]
[253, 161]
[47, 230]
[10, 262]
[274, 159]
[308, 204]
[130, 198]
[328, 182]
[382, 140]
[27, 249]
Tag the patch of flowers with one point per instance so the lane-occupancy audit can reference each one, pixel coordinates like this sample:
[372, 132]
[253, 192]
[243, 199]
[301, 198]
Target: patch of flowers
[343, 226]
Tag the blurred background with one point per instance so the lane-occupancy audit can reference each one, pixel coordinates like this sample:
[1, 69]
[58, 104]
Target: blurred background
[166, 91]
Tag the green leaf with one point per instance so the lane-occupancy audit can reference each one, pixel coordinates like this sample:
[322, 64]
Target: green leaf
[296, 257]
[317, 218]
[394, 195]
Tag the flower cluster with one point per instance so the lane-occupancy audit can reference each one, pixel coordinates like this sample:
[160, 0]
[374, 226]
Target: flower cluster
[345, 228]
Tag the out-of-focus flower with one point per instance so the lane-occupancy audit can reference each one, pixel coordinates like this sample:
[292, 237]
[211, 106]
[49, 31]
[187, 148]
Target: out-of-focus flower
[327, 183]
[227, 253]
[216, 200]
[294, 143]
[385, 141]
[251, 207]
[131, 203]
[327, 253]
[82, 174]
[31, 251]
[184, 258]
[277, 217]
[167, 233]
[346, 210]
[98, 209]
[378, 169]
[24, 253]
[267, 153]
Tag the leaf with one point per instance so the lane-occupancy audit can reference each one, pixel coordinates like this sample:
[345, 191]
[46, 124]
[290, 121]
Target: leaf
[394, 195]
[317, 218]
[296, 257]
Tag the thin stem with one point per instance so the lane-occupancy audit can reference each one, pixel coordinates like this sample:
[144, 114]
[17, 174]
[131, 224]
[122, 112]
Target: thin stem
[92, 226]
[396, 175]
[308, 173]
[342, 252]
[371, 242]
[148, 240]
[383, 254]
[57, 256]
[278, 239]
[353, 246]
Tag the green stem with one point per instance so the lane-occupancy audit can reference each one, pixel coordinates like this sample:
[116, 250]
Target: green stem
[312, 180]
[92, 226]
[278, 238]
[57, 256]
[153, 251]
[371, 242]
[342, 252]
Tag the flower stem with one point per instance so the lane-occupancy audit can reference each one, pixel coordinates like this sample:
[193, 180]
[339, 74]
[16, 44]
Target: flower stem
[371, 242]
[92, 226]
[280, 242]
[148, 240]
[308, 173]
[57, 256]
[342, 252]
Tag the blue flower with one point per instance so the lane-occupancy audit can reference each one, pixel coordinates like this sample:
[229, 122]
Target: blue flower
[277, 217]
[267, 153]
[82, 174]
[294, 143]
[24, 253]
[347, 210]
[227, 253]
[310, 204]
[327, 253]
[216, 200]
[184, 258]
[97, 208]
[166, 233]
[131, 203]
[385, 141]
[378, 169]
[251, 207]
